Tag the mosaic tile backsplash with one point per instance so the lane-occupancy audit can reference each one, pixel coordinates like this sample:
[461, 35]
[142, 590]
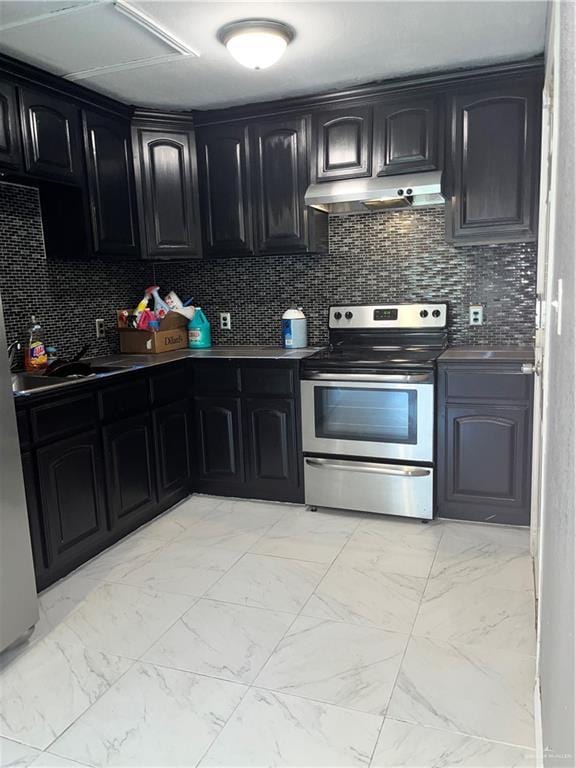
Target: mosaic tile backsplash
[384, 257]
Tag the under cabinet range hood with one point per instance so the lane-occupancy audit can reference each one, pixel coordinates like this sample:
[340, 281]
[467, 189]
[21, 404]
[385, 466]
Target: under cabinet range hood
[415, 190]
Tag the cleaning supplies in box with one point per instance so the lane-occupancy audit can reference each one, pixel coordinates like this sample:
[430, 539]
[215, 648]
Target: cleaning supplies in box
[199, 332]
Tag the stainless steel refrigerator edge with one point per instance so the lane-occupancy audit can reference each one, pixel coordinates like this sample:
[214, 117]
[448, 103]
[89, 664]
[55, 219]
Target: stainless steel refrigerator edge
[18, 601]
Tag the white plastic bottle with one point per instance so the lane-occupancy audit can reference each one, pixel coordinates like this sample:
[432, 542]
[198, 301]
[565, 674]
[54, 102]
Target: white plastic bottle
[294, 329]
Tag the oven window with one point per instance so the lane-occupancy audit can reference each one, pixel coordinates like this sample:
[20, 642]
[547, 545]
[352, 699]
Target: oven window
[376, 415]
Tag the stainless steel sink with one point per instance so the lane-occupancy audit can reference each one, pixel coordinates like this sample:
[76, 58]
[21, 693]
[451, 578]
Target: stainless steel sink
[26, 382]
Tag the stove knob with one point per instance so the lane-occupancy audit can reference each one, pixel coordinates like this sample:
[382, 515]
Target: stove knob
[337, 315]
[423, 313]
[348, 315]
[436, 313]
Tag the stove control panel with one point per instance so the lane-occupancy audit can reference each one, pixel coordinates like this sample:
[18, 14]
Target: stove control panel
[389, 316]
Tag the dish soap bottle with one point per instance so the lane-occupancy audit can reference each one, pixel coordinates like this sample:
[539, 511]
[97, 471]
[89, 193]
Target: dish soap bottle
[199, 334]
[35, 357]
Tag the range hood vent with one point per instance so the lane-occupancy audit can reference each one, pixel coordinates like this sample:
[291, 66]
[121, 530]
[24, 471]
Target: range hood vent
[416, 190]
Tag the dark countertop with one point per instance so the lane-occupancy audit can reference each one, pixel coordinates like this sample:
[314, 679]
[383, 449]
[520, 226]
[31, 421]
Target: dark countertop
[122, 364]
[488, 354]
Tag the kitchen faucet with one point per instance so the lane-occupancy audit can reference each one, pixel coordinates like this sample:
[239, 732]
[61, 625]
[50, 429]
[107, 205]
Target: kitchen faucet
[14, 347]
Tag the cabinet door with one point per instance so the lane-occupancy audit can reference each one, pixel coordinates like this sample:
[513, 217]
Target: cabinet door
[344, 141]
[406, 136]
[167, 181]
[130, 480]
[172, 441]
[110, 185]
[51, 133]
[10, 149]
[494, 164]
[219, 439]
[225, 190]
[484, 463]
[71, 484]
[272, 448]
[281, 178]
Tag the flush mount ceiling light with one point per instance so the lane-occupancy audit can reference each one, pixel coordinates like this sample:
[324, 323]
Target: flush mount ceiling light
[256, 43]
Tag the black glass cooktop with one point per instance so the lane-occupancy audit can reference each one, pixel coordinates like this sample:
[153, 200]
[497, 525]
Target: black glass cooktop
[378, 358]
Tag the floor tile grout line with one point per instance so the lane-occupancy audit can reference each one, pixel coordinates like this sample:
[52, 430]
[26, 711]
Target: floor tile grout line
[461, 733]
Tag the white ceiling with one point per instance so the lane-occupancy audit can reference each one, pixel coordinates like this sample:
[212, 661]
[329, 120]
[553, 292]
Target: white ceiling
[337, 44]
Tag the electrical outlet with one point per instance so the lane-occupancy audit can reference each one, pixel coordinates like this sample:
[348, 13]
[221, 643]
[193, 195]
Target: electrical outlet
[100, 330]
[225, 321]
[476, 314]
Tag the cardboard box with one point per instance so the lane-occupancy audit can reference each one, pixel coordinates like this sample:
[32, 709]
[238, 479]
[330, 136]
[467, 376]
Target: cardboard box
[173, 334]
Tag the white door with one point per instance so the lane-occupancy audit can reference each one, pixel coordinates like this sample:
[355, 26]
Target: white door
[545, 294]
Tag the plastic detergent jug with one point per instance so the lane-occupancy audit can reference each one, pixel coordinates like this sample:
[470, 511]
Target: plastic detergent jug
[199, 334]
[294, 330]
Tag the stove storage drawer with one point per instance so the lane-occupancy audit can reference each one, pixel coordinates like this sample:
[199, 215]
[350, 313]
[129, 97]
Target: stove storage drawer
[368, 486]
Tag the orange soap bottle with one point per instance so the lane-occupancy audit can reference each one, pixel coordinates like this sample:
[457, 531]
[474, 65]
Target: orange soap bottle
[35, 356]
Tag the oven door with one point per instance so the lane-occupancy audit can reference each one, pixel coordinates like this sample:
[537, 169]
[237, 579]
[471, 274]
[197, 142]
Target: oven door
[379, 416]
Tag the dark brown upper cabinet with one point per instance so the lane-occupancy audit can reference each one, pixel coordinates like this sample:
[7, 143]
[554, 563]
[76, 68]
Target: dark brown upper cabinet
[225, 194]
[281, 175]
[407, 136]
[10, 146]
[166, 174]
[51, 136]
[494, 163]
[110, 185]
[344, 139]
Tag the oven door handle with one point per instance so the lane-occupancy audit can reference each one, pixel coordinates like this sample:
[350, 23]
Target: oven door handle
[368, 466]
[392, 378]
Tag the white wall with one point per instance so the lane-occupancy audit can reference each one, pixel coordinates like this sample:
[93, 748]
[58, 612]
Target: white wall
[556, 632]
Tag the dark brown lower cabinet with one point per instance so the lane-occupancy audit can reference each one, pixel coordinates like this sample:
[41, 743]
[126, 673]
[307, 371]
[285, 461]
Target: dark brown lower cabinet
[219, 455]
[130, 475]
[485, 444]
[271, 447]
[172, 445]
[71, 487]
[37, 538]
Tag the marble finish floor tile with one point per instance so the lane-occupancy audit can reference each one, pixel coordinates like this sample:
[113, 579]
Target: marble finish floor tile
[358, 590]
[307, 536]
[269, 582]
[460, 558]
[350, 666]
[411, 556]
[271, 729]
[475, 691]
[115, 563]
[480, 533]
[478, 614]
[122, 619]
[403, 745]
[152, 717]
[46, 689]
[235, 525]
[16, 755]
[178, 520]
[221, 640]
[182, 568]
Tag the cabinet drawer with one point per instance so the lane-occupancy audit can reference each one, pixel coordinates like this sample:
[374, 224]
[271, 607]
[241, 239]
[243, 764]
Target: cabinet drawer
[215, 378]
[123, 400]
[66, 415]
[170, 385]
[474, 384]
[268, 381]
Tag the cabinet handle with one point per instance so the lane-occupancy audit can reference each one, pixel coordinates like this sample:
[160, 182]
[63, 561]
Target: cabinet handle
[531, 368]
[365, 466]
